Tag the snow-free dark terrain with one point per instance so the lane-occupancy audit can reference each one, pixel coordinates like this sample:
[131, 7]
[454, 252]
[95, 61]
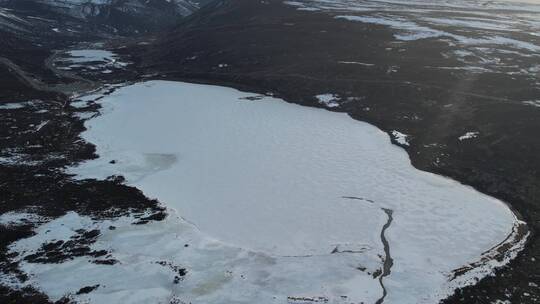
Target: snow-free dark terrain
[453, 83]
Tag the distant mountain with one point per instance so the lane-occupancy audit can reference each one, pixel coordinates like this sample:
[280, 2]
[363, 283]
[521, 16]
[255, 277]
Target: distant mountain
[122, 16]
[30, 30]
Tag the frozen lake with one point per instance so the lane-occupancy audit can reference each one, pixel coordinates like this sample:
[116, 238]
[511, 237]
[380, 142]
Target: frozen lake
[304, 202]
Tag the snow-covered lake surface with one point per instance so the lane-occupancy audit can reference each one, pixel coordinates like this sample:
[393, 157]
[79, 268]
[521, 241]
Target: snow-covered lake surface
[279, 203]
[90, 55]
[92, 59]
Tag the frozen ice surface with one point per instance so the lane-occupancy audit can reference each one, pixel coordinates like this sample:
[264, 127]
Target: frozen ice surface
[147, 255]
[357, 62]
[18, 218]
[15, 105]
[279, 181]
[412, 31]
[83, 56]
[534, 103]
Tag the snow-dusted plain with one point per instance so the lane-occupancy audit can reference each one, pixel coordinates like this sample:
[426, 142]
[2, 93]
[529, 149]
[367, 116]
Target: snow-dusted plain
[277, 203]
[485, 36]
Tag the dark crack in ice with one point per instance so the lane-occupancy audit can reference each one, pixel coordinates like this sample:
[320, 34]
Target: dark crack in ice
[388, 261]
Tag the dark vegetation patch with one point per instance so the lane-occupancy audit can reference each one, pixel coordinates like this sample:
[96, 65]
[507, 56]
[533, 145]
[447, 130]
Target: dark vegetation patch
[87, 289]
[59, 251]
[24, 296]
[105, 262]
[179, 272]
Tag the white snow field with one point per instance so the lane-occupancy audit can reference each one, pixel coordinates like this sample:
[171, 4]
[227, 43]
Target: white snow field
[279, 203]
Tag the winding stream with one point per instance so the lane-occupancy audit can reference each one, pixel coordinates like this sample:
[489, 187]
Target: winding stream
[388, 261]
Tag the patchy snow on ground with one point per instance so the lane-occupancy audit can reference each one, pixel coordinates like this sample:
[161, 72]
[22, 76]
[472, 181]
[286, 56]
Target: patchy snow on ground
[469, 135]
[357, 63]
[401, 138]
[15, 105]
[19, 218]
[412, 30]
[497, 26]
[328, 100]
[269, 202]
[534, 103]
